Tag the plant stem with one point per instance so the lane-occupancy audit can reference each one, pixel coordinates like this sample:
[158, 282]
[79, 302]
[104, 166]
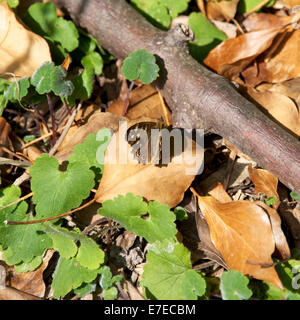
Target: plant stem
[51, 218]
[51, 109]
[127, 98]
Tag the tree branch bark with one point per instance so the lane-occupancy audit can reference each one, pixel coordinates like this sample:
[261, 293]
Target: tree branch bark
[198, 97]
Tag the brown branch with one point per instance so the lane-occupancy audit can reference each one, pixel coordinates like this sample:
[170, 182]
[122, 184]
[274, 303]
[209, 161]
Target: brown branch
[198, 97]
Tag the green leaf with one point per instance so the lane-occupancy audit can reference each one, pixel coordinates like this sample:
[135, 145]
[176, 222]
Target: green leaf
[70, 274]
[59, 85]
[42, 19]
[180, 214]
[12, 3]
[245, 6]
[85, 289]
[140, 65]
[29, 266]
[55, 191]
[168, 274]
[207, 36]
[234, 286]
[295, 196]
[17, 90]
[270, 201]
[20, 243]
[69, 243]
[93, 60]
[110, 293]
[106, 278]
[161, 12]
[175, 7]
[65, 33]
[3, 103]
[91, 152]
[42, 76]
[289, 274]
[129, 212]
[83, 86]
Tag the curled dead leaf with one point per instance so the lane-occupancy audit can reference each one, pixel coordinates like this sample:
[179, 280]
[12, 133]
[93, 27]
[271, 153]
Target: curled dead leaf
[21, 50]
[232, 56]
[279, 237]
[241, 231]
[264, 181]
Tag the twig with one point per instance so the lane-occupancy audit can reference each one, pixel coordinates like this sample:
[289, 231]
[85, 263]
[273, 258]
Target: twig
[66, 129]
[17, 201]
[127, 98]
[40, 138]
[17, 163]
[24, 177]
[51, 109]
[51, 218]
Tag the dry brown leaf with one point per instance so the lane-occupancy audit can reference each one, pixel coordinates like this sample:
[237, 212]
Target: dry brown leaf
[264, 181]
[291, 218]
[201, 6]
[228, 28]
[222, 10]
[232, 56]
[144, 101]
[289, 3]
[96, 122]
[21, 50]
[81, 118]
[259, 21]
[289, 88]
[242, 233]
[281, 107]
[283, 63]
[165, 184]
[5, 130]
[31, 282]
[279, 237]
[219, 193]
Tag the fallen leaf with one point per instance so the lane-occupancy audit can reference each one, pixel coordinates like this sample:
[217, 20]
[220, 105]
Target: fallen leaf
[279, 237]
[5, 130]
[123, 173]
[31, 282]
[264, 181]
[81, 118]
[221, 10]
[232, 56]
[289, 3]
[289, 88]
[282, 64]
[228, 28]
[96, 122]
[201, 6]
[242, 233]
[281, 107]
[21, 50]
[291, 218]
[259, 21]
[219, 193]
[144, 101]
